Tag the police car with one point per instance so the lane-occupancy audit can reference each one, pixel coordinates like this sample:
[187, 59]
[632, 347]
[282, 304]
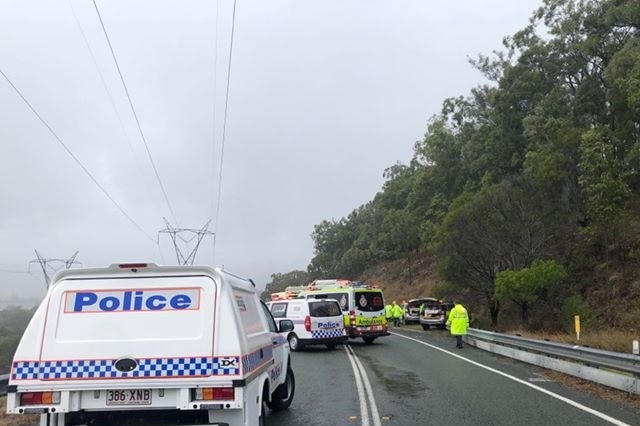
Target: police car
[316, 322]
[192, 345]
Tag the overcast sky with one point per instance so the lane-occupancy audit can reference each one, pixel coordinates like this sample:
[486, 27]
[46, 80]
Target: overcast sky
[324, 95]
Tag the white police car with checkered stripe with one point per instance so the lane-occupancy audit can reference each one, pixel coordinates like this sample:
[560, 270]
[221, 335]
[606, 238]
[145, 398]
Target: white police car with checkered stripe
[316, 321]
[190, 345]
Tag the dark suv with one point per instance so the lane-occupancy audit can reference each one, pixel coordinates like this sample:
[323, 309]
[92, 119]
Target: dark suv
[434, 313]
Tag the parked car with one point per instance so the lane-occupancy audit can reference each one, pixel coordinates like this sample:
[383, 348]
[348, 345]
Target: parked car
[434, 313]
[316, 321]
[412, 309]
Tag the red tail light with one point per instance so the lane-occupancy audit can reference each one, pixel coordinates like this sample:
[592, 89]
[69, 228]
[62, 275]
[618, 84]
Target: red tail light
[39, 398]
[214, 394]
[352, 318]
[307, 323]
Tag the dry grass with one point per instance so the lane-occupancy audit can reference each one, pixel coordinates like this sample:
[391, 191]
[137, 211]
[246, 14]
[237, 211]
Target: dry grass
[595, 389]
[610, 340]
[15, 419]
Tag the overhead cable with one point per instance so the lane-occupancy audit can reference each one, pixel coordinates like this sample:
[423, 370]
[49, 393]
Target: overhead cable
[66, 148]
[224, 122]
[135, 115]
[111, 99]
[215, 94]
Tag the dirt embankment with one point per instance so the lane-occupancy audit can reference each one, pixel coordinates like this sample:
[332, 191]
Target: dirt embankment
[404, 279]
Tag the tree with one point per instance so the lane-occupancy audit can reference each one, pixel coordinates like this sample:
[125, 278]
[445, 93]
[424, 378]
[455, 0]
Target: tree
[505, 226]
[526, 286]
[279, 282]
[603, 181]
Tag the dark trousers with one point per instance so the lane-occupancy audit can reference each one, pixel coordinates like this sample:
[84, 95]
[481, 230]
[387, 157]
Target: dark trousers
[459, 341]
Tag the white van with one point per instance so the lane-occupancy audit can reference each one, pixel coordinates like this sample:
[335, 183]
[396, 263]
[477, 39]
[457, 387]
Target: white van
[190, 345]
[362, 306]
[316, 322]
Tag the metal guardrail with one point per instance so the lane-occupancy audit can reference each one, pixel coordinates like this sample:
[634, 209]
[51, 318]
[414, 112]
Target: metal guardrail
[614, 369]
[4, 381]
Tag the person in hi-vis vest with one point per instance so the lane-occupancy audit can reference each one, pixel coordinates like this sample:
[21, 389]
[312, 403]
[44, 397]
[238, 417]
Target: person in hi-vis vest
[458, 322]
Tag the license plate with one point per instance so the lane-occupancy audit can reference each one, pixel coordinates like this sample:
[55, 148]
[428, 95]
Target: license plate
[129, 397]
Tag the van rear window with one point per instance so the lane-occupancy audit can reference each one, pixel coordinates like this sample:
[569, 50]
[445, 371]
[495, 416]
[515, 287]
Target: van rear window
[324, 309]
[369, 301]
[279, 310]
[342, 298]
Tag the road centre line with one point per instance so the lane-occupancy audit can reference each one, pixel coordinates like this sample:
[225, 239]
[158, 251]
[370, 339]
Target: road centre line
[367, 385]
[364, 395]
[364, 412]
[523, 382]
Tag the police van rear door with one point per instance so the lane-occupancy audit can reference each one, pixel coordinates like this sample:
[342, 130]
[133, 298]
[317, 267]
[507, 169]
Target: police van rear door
[163, 326]
[326, 319]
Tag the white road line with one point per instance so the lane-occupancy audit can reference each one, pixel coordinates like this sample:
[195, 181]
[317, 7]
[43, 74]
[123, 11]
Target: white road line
[366, 397]
[372, 401]
[538, 388]
[364, 412]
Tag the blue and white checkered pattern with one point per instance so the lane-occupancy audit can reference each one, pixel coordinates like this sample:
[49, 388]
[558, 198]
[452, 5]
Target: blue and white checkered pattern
[226, 366]
[105, 369]
[254, 360]
[24, 370]
[323, 334]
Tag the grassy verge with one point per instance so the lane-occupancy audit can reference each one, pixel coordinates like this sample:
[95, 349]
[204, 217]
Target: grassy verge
[15, 419]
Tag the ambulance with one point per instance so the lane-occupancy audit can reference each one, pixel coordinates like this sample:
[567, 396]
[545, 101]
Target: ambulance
[183, 345]
[362, 306]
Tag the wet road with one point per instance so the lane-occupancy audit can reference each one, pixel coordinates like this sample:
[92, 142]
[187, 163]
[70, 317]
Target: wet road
[418, 377]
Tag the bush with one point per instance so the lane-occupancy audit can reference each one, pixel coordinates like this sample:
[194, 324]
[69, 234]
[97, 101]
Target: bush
[576, 305]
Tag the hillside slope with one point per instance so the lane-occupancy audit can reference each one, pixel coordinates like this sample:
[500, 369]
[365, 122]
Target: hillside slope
[408, 278]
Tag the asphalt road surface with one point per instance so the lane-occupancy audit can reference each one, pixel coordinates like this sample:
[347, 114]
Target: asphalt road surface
[419, 378]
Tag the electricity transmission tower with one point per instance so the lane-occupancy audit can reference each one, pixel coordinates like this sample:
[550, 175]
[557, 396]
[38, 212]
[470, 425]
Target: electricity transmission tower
[53, 265]
[185, 237]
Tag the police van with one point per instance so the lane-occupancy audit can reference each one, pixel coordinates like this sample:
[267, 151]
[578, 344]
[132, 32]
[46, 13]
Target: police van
[316, 322]
[186, 345]
[362, 306]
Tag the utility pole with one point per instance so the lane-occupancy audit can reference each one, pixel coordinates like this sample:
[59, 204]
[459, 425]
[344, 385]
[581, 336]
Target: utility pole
[53, 265]
[186, 236]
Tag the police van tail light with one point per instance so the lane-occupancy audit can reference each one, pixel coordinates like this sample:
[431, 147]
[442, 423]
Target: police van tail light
[307, 323]
[39, 398]
[352, 317]
[214, 394]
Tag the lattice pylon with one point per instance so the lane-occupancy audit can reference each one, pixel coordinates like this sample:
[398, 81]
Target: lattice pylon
[186, 236]
[53, 264]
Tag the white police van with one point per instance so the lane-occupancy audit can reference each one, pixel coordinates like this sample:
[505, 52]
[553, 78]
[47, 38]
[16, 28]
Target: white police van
[190, 345]
[316, 321]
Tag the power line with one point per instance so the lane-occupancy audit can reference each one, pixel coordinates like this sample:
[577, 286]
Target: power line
[66, 148]
[12, 271]
[215, 95]
[224, 122]
[112, 101]
[135, 115]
